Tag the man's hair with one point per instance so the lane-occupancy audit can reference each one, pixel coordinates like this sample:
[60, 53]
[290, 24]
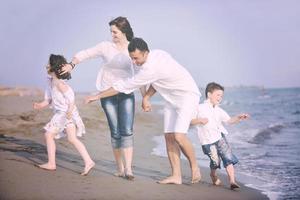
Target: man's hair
[56, 63]
[123, 25]
[138, 43]
[211, 87]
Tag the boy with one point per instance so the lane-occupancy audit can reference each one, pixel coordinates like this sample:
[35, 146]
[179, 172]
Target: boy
[212, 133]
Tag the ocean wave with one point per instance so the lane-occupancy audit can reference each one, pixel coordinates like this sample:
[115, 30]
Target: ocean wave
[266, 134]
[297, 112]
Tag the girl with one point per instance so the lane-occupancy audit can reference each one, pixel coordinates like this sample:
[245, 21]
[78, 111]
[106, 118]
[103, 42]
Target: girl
[66, 117]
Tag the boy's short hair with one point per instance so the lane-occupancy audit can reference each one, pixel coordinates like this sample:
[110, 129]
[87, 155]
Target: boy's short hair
[212, 87]
[137, 43]
[56, 63]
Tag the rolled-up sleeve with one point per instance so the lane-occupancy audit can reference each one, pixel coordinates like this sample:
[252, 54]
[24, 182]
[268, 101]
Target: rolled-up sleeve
[143, 77]
[94, 52]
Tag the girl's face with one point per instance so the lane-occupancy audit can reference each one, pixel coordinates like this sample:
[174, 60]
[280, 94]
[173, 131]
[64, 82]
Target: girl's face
[215, 97]
[116, 34]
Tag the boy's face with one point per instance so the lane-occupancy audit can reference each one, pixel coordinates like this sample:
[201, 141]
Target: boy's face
[215, 97]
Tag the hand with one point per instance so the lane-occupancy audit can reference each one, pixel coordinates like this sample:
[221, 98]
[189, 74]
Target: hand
[69, 115]
[90, 99]
[243, 116]
[37, 106]
[66, 68]
[203, 121]
[146, 105]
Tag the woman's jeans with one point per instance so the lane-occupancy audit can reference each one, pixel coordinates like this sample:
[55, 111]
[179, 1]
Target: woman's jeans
[119, 110]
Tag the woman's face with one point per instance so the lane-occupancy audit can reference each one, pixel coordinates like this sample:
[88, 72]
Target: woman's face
[116, 34]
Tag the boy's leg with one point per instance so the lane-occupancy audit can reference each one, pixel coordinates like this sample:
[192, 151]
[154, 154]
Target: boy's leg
[51, 148]
[89, 163]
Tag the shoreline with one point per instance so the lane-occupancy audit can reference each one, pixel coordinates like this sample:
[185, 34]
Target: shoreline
[22, 146]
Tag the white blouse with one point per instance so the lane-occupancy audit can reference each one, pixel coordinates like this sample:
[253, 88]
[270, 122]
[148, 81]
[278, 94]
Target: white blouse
[59, 101]
[116, 65]
[171, 80]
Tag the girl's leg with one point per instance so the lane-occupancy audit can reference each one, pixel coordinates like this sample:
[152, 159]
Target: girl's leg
[89, 163]
[51, 148]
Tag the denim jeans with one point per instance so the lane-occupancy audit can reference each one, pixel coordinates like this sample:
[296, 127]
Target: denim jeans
[218, 151]
[119, 110]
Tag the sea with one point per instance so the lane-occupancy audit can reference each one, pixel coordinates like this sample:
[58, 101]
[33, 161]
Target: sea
[267, 145]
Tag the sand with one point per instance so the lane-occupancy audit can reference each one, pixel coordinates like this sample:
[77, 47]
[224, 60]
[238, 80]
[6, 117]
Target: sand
[22, 146]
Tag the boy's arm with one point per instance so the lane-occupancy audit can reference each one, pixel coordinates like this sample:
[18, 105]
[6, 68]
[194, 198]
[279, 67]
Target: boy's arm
[199, 121]
[238, 118]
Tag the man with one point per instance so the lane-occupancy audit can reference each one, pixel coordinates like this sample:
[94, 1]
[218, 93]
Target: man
[174, 83]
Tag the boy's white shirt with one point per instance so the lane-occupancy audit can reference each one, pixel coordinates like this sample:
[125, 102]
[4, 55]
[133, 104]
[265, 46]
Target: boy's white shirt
[211, 132]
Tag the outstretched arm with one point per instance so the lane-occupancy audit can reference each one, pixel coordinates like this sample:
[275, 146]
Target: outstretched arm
[238, 118]
[106, 93]
[40, 105]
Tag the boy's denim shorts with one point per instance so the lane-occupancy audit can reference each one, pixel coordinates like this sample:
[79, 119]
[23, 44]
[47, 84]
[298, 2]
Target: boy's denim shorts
[218, 151]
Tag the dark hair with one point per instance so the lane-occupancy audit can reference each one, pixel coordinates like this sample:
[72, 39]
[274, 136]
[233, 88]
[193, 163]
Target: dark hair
[137, 43]
[212, 87]
[123, 25]
[56, 63]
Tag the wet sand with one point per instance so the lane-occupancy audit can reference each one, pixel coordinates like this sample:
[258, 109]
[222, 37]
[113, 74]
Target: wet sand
[22, 146]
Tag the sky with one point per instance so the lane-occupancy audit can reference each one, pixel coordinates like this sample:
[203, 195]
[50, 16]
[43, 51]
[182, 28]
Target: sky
[232, 42]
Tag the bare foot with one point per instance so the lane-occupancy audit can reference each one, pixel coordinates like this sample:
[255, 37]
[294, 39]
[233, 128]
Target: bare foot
[87, 169]
[47, 166]
[119, 174]
[129, 177]
[234, 186]
[216, 181]
[196, 177]
[171, 180]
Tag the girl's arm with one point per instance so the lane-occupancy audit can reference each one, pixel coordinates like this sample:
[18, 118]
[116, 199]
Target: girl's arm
[40, 105]
[69, 95]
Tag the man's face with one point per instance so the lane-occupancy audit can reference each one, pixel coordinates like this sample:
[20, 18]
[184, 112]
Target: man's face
[215, 97]
[138, 57]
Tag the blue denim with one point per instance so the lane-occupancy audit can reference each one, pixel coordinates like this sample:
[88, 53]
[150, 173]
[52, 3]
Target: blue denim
[119, 110]
[218, 151]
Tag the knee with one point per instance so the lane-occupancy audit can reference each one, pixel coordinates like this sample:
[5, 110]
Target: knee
[72, 139]
[179, 138]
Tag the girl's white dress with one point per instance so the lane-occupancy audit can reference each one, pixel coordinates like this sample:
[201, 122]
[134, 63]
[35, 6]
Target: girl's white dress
[59, 103]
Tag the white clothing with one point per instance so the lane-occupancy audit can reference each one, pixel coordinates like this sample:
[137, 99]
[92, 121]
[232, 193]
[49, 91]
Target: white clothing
[211, 132]
[172, 81]
[60, 102]
[178, 120]
[116, 65]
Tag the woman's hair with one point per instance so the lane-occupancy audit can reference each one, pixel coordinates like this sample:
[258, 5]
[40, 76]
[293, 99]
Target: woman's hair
[211, 87]
[137, 43]
[56, 63]
[123, 25]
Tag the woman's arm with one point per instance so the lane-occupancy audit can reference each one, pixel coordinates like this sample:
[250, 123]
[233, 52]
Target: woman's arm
[199, 121]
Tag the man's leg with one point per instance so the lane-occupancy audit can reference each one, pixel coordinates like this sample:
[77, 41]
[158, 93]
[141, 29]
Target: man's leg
[173, 151]
[187, 149]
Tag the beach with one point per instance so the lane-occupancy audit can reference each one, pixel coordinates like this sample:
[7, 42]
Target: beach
[22, 146]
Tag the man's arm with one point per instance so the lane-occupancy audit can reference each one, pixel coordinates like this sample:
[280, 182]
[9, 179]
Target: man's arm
[146, 105]
[106, 93]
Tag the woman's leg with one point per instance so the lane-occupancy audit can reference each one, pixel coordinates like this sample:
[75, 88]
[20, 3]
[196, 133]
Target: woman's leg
[51, 149]
[88, 162]
[110, 107]
[126, 111]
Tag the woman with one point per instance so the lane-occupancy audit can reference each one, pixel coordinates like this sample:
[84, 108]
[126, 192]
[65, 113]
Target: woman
[119, 109]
